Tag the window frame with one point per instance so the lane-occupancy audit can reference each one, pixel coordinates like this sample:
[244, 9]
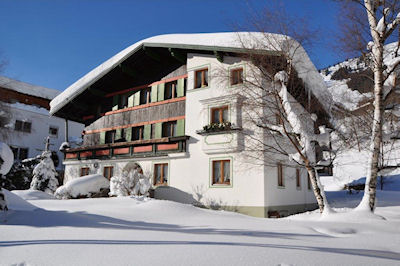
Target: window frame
[173, 124]
[110, 170]
[84, 170]
[162, 174]
[233, 73]
[140, 129]
[220, 115]
[145, 92]
[173, 89]
[222, 172]
[298, 178]
[22, 126]
[51, 134]
[280, 175]
[203, 78]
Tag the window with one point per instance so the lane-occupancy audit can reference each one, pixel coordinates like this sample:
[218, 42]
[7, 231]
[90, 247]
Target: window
[221, 172]
[298, 181]
[219, 114]
[169, 129]
[137, 133]
[170, 90]
[110, 136]
[201, 78]
[145, 96]
[84, 171]
[123, 101]
[23, 126]
[161, 174]
[237, 76]
[280, 175]
[53, 131]
[308, 181]
[20, 153]
[108, 172]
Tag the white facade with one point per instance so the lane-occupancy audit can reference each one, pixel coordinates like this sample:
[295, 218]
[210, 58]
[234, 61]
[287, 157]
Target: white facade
[41, 122]
[253, 188]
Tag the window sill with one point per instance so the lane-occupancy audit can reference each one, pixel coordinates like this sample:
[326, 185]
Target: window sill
[281, 187]
[217, 132]
[221, 185]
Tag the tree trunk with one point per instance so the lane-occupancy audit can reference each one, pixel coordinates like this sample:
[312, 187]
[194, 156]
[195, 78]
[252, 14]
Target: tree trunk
[368, 200]
[315, 186]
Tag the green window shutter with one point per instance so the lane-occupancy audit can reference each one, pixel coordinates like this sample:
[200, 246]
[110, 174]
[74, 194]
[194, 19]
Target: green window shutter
[128, 134]
[118, 133]
[161, 91]
[115, 102]
[180, 127]
[154, 93]
[137, 98]
[147, 131]
[131, 100]
[180, 90]
[102, 137]
[158, 133]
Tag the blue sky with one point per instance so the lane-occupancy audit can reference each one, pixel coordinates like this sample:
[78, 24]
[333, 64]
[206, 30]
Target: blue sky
[53, 43]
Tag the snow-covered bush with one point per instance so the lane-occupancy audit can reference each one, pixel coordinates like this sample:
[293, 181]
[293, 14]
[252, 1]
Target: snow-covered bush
[129, 183]
[45, 175]
[84, 186]
[6, 160]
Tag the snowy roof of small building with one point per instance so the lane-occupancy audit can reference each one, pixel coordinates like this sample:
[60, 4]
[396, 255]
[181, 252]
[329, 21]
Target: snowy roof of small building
[226, 41]
[29, 89]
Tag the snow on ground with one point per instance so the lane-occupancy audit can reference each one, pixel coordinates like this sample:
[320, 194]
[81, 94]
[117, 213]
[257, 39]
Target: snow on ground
[31, 194]
[141, 231]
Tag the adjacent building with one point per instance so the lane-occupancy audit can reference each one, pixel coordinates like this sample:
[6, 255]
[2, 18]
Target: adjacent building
[25, 122]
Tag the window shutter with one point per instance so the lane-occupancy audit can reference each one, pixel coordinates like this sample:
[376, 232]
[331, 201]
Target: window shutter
[128, 134]
[180, 127]
[137, 98]
[161, 91]
[131, 100]
[118, 133]
[115, 102]
[102, 137]
[154, 93]
[147, 131]
[158, 129]
[180, 90]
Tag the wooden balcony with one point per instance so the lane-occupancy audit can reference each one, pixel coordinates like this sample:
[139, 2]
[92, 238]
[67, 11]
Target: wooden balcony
[132, 149]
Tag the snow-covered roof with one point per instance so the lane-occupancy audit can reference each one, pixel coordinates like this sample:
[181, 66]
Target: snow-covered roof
[27, 88]
[226, 41]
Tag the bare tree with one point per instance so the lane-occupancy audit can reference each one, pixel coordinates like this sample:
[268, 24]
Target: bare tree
[278, 101]
[368, 26]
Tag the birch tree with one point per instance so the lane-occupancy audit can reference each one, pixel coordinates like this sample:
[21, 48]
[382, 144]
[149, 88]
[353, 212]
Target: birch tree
[381, 20]
[277, 99]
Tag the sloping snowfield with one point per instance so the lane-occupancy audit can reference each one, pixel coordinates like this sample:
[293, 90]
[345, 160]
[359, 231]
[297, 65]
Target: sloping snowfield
[138, 231]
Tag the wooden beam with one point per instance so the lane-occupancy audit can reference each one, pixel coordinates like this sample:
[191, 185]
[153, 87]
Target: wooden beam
[97, 92]
[129, 71]
[177, 55]
[219, 56]
[153, 55]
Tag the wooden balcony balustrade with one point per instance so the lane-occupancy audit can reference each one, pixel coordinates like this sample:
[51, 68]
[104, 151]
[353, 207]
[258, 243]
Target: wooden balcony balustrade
[132, 149]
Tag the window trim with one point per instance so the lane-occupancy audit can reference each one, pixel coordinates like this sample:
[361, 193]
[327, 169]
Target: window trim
[232, 72]
[280, 175]
[84, 169]
[53, 135]
[220, 118]
[211, 172]
[162, 175]
[203, 70]
[111, 172]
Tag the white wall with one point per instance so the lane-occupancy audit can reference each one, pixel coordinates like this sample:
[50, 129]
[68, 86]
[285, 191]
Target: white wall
[41, 121]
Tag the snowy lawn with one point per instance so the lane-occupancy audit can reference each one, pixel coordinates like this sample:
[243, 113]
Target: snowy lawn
[139, 231]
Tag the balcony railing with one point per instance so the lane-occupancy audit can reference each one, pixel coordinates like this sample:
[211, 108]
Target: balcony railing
[132, 149]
